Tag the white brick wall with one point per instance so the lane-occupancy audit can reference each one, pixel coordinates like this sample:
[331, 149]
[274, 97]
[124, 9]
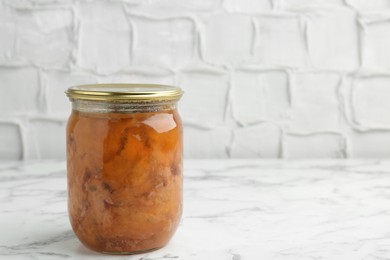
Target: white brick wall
[262, 78]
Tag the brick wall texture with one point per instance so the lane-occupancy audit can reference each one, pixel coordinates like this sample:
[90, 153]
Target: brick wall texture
[262, 78]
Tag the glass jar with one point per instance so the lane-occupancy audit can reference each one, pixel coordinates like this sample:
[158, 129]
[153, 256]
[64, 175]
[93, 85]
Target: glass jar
[124, 161]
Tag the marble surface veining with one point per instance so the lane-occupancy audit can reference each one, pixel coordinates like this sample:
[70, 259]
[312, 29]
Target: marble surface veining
[234, 210]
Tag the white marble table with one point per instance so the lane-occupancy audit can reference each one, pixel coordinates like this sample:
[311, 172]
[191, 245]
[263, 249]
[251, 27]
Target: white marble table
[234, 210]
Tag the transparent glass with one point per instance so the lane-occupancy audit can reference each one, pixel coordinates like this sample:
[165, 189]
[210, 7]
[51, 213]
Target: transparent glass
[124, 165]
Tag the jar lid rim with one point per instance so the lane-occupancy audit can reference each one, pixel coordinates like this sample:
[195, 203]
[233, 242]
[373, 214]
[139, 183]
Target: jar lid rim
[125, 92]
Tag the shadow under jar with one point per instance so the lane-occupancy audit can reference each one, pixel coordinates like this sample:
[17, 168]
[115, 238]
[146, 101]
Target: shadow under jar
[124, 161]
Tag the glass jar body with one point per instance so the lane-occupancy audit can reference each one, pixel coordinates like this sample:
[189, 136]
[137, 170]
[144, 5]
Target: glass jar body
[124, 175]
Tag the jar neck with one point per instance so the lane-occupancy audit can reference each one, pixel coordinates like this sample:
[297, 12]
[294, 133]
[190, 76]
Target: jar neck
[88, 106]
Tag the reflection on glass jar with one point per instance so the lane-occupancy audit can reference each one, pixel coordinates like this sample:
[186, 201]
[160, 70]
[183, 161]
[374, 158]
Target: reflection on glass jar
[124, 159]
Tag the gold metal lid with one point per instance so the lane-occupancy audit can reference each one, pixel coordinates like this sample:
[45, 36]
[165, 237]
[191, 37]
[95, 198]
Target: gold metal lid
[123, 92]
